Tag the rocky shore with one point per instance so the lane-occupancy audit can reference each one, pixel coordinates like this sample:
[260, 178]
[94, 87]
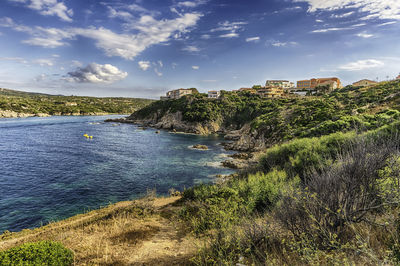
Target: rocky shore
[242, 140]
[13, 114]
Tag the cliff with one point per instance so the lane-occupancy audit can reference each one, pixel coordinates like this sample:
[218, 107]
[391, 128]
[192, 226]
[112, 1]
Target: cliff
[251, 123]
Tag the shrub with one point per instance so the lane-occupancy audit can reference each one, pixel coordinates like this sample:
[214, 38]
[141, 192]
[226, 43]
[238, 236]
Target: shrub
[344, 193]
[38, 253]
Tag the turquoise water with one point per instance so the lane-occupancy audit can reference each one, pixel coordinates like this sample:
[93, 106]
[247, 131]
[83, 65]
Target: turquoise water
[49, 171]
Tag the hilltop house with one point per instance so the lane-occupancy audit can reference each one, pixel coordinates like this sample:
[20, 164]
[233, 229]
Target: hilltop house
[214, 94]
[176, 94]
[398, 77]
[284, 84]
[270, 92]
[312, 84]
[364, 83]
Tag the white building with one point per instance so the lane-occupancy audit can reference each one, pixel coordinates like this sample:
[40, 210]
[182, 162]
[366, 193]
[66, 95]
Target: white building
[284, 84]
[214, 94]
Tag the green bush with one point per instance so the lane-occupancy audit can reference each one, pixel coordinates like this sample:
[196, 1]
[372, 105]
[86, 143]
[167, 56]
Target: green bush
[38, 253]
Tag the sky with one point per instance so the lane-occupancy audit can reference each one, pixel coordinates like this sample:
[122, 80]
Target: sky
[143, 48]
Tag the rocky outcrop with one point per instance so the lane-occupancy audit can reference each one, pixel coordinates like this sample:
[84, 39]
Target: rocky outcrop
[200, 147]
[12, 114]
[245, 139]
[174, 122]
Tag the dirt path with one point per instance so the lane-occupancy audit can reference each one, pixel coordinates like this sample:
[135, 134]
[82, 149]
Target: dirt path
[126, 233]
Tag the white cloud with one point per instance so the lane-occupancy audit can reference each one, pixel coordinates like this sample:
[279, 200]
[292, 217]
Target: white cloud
[113, 13]
[191, 4]
[144, 65]
[160, 63]
[276, 43]
[382, 9]
[253, 39]
[345, 15]
[49, 8]
[338, 29]
[158, 72]
[40, 78]
[319, 21]
[232, 29]
[191, 48]
[95, 73]
[387, 23]
[195, 67]
[205, 36]
[229, 35]
[149, 32]
[43, 62]
[362, 64]
[364, 35]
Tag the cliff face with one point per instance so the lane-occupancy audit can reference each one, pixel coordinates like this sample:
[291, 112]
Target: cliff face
[173, 121]
[244, 139]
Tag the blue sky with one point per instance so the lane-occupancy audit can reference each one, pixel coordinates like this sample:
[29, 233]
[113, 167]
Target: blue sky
[142, 48]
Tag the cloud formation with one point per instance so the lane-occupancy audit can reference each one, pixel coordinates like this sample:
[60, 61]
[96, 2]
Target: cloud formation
[49, 8]
[144, 65]
[149, 32]
[231, 29]
[96, 73]
[362, 64]
[382, 9]
[253, 39]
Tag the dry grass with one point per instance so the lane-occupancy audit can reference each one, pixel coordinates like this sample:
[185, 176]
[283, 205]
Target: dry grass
[139, 232]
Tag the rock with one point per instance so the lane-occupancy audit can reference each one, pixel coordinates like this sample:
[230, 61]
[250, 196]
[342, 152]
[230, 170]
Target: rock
[157, 132]
[242, 156]
[234, 164]
[200, 147]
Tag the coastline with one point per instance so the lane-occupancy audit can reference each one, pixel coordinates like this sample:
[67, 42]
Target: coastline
[13, 114]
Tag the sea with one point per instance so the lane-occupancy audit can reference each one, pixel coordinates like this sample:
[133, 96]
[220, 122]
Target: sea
[50, 171]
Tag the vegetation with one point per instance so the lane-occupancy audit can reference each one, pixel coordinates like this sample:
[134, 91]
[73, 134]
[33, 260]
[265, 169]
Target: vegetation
[39, 253]
[326, 191]
[36, 103]
[283, 119]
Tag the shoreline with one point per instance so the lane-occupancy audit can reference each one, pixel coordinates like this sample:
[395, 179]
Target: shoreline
[11, 114]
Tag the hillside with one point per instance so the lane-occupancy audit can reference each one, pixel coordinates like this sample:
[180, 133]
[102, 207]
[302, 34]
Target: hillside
[255, 123]
[326, 193]
[17, 103]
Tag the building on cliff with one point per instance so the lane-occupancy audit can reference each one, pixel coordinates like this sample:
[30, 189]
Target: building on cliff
[214, 94]
[284, 84]
[312, 84]
[176, 94]
[270, 92]
[364, 83]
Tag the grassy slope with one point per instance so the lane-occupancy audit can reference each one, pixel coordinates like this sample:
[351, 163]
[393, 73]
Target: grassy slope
[132, 232]
[33, 103]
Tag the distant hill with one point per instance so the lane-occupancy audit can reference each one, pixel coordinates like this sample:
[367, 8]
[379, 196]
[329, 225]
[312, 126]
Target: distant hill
[20, 103]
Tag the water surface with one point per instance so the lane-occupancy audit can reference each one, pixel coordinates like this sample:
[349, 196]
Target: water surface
[49, 171]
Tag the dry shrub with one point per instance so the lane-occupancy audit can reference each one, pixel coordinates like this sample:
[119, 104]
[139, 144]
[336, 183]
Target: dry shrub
[350, 191]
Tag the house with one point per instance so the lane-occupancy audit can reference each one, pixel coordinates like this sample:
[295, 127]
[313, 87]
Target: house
[270, 92]
[312, 84]
[176, 94]
[364, 83]
[214, 94]
[398, 77]
[284, 84]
